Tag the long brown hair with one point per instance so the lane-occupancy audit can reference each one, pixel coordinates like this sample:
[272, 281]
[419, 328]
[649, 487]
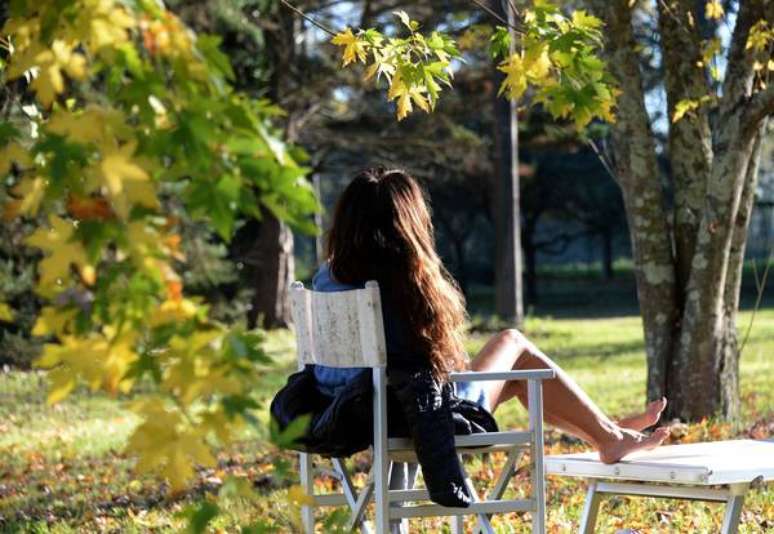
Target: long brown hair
[382, 230]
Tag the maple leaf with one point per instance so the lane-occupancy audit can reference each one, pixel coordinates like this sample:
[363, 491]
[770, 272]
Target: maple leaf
[30, 193]
[52, 320]
[60, 252]
[354, 48]
[125, 180]
[50, 62]
[6, 313]
[515, 82]
[13, 153]
[713, 10]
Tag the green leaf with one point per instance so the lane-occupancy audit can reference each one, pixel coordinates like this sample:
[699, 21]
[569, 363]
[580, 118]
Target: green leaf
[200, 516]
[287, 439]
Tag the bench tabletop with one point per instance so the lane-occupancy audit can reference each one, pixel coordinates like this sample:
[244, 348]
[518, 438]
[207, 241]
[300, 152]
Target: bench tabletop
[718, 462]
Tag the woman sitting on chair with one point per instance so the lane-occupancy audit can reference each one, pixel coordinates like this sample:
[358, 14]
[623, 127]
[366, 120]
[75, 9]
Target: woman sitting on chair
[382, 231]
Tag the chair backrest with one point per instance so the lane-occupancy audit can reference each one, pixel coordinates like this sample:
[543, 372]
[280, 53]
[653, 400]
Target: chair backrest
[341, 328]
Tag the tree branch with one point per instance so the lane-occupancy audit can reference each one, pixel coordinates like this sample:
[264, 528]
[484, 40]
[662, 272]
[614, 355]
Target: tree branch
[761, 106]
[739, 74]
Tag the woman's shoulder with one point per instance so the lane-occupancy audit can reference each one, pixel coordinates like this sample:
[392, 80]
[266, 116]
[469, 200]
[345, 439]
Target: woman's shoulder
[323, 280]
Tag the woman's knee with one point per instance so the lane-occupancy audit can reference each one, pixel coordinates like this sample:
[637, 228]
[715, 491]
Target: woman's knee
[512, 335]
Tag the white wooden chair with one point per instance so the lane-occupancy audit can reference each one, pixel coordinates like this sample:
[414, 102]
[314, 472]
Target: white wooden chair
[345, 329]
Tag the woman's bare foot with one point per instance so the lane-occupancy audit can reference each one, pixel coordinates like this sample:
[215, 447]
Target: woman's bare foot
[646, 419]
[631, 441]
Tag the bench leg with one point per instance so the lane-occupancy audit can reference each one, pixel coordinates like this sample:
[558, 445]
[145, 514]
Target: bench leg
[590, 509]
[733, 508]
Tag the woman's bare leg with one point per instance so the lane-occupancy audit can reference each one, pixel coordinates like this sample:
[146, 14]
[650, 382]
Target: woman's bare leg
[565, 404]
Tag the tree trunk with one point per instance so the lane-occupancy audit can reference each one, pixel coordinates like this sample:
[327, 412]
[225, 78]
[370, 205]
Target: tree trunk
[729, 372]
[268, 263]
[689, 301]
[508, 279]
[530, 257]
[637, 174]
[704, 374]
[607, 253]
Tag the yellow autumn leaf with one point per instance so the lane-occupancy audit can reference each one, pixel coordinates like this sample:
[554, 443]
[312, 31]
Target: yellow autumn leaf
[714, 10]
[108, 26]
[13, 153]
[49, 64]
[419, 99]
[683, 107]
[30, 193]
[404, 106]
[298, 497]
[354, 48]
[515, 82]
[60, 252]
[61, 383]
[759, 36]
[120, 173]
[6, 313]
[536, 63]
[166, 443]
[53, 320]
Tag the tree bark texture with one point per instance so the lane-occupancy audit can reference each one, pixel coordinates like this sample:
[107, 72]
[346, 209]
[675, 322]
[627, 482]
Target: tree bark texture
[508, 268]
[269, 266]
[688, 273]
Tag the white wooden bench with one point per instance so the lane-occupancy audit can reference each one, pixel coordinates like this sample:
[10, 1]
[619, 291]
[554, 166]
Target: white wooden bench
[721, 471]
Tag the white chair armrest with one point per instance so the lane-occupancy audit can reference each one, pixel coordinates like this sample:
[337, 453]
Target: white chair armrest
[532, 374]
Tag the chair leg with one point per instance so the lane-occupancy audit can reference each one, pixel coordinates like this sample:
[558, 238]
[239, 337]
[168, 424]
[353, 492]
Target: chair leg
[381, 463]
[307, 484]
[590, 509]
[402, 477]
[535, 404]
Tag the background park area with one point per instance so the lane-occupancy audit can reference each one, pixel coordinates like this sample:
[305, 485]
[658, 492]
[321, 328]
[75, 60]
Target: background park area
[601, 175]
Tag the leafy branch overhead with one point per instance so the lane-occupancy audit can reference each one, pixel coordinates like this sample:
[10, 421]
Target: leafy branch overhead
[556, 58]
[126, 111]
[415, 67]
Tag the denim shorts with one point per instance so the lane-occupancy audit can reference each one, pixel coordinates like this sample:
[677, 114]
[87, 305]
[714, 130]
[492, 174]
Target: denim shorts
[473, 391]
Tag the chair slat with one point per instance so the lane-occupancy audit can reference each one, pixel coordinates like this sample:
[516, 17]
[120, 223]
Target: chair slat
[482, 507]
[339, 329]
[473, 440]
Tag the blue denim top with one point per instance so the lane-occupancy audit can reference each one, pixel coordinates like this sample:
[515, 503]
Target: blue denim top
[330, 379]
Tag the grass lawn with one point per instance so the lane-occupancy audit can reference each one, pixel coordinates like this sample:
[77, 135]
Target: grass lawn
[62, 469]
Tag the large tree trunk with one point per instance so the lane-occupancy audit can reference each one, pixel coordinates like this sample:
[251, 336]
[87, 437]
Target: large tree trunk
[508, 280]
[688, 300]
[704, 371]
[268, 243]
[269, 266]
[637, 173]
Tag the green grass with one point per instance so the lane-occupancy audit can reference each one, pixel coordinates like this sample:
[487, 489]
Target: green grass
[62, 469]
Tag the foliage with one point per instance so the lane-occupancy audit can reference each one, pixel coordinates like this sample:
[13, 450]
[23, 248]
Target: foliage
[415, 67]
[132, 109]
[556, 56]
